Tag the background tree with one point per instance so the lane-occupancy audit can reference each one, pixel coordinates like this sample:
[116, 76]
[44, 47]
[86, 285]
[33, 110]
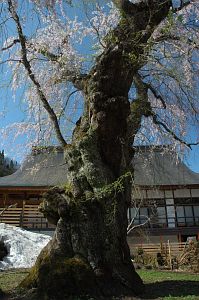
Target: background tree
[7, 166]
[141, 86]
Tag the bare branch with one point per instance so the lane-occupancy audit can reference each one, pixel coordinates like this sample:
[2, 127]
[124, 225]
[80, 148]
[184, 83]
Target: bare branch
[14, 42]
[130, 228]
[10, 60]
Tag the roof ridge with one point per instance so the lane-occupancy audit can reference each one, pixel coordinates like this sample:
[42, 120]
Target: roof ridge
[45, 149]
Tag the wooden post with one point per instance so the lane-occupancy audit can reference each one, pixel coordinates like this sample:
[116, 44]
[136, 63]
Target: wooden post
[179, 238]
[22, 213]
[5, 196]
[169, 250]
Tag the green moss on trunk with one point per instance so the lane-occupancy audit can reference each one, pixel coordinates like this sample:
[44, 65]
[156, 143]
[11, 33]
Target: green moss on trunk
[56, 277]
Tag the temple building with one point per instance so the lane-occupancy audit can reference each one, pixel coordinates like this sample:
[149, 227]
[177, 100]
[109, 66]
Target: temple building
[165, 196]
[20, 193]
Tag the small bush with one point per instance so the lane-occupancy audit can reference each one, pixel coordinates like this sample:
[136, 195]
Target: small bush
[141, 258]
[189, 257]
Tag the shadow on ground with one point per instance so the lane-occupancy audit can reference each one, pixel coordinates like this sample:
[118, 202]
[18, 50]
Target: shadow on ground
[171, 288]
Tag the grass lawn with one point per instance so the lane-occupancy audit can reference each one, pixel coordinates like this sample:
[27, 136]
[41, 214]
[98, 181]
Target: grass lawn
[11, 279]
[159, 284]
[170, 285]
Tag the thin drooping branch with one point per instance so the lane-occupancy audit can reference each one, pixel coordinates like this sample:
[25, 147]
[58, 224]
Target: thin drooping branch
[171, 132]
[76, 78]
[143, 108]
[9, 60]
[66, 103]
[31, 75]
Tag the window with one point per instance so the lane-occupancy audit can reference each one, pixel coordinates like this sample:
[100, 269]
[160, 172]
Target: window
[180, 216]
[134, 214]
[161, 214]
[167, 213]
[196, 214]
[189, 215]
[140, 214]
[143, 214]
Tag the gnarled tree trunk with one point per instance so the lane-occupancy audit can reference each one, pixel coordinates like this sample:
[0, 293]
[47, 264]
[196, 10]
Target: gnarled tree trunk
[89, 254]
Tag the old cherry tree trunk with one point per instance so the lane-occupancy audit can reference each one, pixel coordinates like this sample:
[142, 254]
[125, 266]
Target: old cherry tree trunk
[89, 254]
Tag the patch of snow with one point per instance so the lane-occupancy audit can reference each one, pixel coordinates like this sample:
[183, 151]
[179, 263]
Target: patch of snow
[23, 246]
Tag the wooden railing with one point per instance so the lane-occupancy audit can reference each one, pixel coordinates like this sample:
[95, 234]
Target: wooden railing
[10, 215]
[27, 216]
[33, 218]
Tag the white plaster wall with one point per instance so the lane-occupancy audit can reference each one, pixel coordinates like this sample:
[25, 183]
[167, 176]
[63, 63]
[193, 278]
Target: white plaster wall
[182, 193]
[195, 192]
[155, 194]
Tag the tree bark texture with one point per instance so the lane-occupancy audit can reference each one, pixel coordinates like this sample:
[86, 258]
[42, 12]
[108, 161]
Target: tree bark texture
[89, 254]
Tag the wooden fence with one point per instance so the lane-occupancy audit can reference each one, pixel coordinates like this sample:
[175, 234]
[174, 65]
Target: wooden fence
[171, 255]
[166, 248]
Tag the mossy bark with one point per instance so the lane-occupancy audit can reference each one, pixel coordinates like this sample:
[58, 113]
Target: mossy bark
[89, 254]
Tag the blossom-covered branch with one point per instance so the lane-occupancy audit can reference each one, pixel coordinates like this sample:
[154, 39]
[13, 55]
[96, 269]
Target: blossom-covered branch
[69, 75]
[31, 75]
[144, 108]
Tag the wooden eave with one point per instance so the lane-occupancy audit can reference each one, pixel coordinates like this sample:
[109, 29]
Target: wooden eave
[169, 187]
[24, 188]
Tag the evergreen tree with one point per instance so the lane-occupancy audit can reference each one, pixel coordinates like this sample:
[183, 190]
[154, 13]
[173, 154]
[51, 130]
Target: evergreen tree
[7, 166]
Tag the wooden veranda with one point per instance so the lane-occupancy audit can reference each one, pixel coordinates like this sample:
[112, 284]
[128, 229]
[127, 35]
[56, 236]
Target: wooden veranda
[20, 207]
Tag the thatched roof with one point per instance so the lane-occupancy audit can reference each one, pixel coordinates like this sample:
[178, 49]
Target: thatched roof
[46, 167]
[161, 167]
[42, 168]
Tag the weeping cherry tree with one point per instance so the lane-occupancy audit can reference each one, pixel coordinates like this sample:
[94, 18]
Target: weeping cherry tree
[100, 77]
